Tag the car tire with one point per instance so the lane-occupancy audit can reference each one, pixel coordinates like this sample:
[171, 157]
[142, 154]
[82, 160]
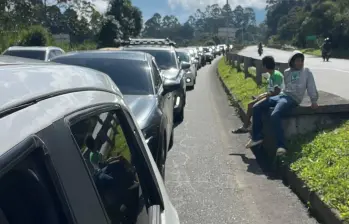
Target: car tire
[171, 141]
[162, 158]
[190, 87]
[180, 116]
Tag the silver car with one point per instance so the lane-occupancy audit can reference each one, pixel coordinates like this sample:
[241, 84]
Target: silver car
[71, 151]
[191, 73]
[39, 53]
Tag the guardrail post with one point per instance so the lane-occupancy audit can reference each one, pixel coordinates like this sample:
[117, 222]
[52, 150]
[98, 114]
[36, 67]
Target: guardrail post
[259, 71]
[247, 64]
[239, 60]
[282, 67]
[232, 59]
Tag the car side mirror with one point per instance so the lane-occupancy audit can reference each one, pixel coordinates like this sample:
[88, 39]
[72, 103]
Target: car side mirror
[185, 65]
[170, 85]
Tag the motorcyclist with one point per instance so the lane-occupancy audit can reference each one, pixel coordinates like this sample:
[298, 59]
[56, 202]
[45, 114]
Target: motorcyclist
[326, 46]
[260, 48]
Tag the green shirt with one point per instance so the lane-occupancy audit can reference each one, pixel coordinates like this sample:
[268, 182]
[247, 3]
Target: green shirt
[275, 80]
[95, 158]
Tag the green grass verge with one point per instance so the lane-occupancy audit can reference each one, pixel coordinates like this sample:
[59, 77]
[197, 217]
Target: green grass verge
[336, 53]
[312, 51]
[242, 88]
[320, 159]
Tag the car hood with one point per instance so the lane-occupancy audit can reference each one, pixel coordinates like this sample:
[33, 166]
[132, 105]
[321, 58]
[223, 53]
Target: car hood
[171, 73]
[142, 107]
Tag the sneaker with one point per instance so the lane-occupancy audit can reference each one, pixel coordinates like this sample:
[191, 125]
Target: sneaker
[252, 143]
[241, 130]
[281, 151]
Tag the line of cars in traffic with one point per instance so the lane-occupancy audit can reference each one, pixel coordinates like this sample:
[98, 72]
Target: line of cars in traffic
[85, 134]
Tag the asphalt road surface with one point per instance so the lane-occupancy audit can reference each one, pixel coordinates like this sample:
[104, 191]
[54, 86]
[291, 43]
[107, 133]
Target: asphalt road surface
[210, 176]
[332, 76]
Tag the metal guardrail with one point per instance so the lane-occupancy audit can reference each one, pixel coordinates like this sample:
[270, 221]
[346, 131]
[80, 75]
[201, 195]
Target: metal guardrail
[236, 61]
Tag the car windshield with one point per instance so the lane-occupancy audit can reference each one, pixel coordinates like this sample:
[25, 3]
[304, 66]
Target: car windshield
[164, 58]
[206, 50]
[40, 54]
[131, 76]
[183, 56]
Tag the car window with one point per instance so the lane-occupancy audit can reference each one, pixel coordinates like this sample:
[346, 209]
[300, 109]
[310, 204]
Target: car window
[131, 76]
[52, 54]
[110, 161]
[40, 54]
[183, 56]
[58, 52]
[156, 76]
[28, 194]
[165, 59]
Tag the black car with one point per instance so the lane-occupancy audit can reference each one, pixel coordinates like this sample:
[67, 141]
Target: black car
[71, 151]
[208, 55]
[201, 55]
[167, 60]
[148, 95]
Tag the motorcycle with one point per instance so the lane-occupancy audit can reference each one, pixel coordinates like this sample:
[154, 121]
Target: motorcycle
[260, 51]
[326, 55]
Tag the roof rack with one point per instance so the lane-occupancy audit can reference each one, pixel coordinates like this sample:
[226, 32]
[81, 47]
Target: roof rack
[159, 42]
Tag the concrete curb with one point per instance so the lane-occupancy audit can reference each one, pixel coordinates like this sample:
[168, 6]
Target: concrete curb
[321, 211]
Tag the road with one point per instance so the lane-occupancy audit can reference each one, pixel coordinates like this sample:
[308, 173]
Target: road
[332, 76]
[210, 176]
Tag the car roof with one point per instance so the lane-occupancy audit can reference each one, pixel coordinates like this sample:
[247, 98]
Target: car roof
[21, 84]
[128, 55]
[183, 50]
[33, 48]
[110, 49]
[7, 59]
[149, 47]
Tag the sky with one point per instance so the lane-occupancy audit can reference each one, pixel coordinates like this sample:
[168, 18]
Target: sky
[184, 8]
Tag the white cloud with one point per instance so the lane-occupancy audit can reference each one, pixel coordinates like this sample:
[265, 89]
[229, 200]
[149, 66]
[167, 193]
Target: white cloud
[101, 5]
[190, 5]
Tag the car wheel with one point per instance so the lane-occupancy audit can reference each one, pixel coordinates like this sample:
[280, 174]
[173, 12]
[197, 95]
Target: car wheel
[171, 141]
[190, 87]
[161, 158]
[180, 116]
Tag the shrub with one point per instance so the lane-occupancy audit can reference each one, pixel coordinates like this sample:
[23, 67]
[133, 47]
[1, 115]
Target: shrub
[35, 36]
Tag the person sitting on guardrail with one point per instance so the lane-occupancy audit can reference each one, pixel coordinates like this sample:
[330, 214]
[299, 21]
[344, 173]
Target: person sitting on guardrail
[297, 80]
[275, 85]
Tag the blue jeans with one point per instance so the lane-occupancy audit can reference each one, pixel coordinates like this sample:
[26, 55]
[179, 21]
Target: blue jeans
[282, 104]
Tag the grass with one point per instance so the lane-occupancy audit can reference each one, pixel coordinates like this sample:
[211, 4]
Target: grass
[320, 159]
[312, 51]
[242, 88]
[336, 53]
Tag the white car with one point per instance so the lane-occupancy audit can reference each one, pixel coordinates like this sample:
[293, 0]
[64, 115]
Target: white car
[191, 73]
[39, 53]
[72, 152]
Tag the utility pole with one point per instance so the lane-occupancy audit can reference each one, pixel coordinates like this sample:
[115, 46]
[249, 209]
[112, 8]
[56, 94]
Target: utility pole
[227, 26]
